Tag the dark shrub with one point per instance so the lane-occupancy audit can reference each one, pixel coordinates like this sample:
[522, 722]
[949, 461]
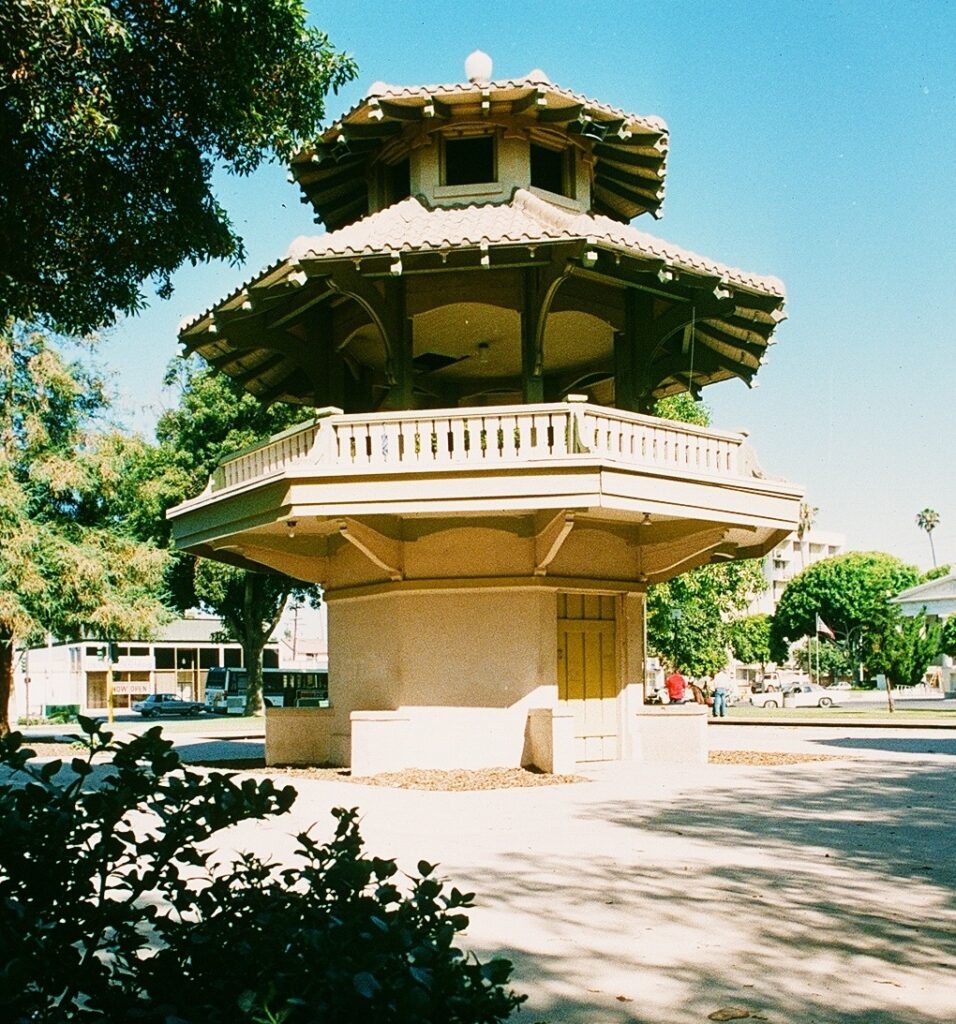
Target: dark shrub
[109, 912]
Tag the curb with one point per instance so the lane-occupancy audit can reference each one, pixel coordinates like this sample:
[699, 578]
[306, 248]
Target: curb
[808, 723]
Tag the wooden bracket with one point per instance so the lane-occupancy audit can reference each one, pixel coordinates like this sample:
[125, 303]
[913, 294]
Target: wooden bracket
[549, 541]
[377, 548]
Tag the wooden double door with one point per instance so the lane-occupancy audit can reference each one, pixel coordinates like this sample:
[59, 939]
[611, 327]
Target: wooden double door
[588, 680]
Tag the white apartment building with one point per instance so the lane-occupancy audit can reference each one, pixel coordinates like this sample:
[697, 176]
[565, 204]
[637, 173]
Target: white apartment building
[788, 559]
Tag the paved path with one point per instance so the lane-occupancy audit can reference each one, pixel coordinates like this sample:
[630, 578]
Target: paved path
[818, 893]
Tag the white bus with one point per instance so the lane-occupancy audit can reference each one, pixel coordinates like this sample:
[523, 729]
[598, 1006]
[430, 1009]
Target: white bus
[281, 688]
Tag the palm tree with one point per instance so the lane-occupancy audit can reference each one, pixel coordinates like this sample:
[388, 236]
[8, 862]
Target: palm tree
[928, 520]
[807, 517]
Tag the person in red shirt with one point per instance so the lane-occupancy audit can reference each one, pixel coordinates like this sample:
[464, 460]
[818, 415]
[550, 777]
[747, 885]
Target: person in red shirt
[676, 686]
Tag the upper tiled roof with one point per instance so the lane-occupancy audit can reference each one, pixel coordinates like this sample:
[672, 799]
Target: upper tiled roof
[627, 152]
[534, 79]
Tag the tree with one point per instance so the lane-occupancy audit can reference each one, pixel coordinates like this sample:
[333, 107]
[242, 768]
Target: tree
[215, 418]
[928, 520]
[948, 637]
[807, 516]
[68, 565]
[848, 592]
[903, 648]
[822, 657]
[750, 639]
[688, 618]
[114, 115]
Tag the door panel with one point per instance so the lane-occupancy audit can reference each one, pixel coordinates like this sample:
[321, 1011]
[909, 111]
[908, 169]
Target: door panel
[587, 673]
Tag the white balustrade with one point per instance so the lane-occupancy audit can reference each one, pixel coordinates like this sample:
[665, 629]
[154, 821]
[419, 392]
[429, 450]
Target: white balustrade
[488, 436]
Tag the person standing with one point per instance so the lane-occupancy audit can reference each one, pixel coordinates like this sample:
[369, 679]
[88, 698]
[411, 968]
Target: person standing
[721, 686]
[676, 686]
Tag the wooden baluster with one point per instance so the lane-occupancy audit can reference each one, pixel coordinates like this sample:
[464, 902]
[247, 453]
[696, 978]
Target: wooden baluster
[457, 426]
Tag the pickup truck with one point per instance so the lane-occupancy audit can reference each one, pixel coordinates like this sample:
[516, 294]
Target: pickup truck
[167, 704]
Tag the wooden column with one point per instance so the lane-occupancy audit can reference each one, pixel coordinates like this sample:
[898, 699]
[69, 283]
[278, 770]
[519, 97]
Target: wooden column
[326, 366]
[399, 342]
[532, 369]
[633, 350]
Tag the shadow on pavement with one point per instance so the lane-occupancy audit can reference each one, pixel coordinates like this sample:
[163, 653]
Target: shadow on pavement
[800, 898]
[899, 744]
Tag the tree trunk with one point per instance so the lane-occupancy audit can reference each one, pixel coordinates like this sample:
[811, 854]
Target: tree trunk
[889, 694]
[252, 644]
[6, 682]
[252, 654]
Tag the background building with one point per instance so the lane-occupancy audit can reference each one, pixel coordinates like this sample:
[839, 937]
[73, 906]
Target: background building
[73, 673]
[788, 559]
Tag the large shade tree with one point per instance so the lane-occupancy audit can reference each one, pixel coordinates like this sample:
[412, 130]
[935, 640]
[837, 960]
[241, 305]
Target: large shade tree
[69, 565]
[849, 595]
[214, 418]
[114, 115]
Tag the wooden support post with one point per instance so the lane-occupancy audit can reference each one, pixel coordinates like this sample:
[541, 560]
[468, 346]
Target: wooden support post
[532, 369]
[401, 370]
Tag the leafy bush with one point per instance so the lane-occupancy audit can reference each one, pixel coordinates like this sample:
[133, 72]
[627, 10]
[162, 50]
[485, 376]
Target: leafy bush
[110, 911]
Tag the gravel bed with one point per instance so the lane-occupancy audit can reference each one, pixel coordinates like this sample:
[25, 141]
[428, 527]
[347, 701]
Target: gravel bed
[457, 780]
[767, 757]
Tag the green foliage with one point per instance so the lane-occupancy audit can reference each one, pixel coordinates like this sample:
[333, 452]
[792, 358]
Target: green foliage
[936, 573]
[750, 639]
[684, 408]
[215, 418]
[904, 648]
[948, 637]
[823, 657]
[111, 908]
[688, 617]
[68, 564]
[849, 592]
[114, 117]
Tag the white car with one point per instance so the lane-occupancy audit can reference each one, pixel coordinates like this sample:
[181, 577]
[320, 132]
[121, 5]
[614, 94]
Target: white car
[797, 695]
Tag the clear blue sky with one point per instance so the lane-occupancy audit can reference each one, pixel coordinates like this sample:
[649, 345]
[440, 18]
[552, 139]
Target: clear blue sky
[813, 141]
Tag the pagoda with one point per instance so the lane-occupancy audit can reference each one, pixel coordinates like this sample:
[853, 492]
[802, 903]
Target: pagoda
[482, 489]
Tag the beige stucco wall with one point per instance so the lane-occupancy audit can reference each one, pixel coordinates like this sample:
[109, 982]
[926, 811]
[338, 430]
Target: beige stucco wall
[461, 667]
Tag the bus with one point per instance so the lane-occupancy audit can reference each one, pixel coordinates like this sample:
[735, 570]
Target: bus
[281, 688]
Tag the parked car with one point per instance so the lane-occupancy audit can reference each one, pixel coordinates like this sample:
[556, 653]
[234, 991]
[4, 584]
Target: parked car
[166, 704]
[796, 695]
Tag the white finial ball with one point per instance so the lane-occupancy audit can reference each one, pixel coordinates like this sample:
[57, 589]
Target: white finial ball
[478, 67]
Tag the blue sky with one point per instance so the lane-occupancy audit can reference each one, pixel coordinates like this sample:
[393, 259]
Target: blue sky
[813, 141]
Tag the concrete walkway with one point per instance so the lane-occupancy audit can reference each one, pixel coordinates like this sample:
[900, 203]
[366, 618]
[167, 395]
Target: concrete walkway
[817, 893]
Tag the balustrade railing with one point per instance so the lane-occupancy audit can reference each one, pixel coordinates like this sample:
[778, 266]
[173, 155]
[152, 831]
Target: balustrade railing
[486, 437]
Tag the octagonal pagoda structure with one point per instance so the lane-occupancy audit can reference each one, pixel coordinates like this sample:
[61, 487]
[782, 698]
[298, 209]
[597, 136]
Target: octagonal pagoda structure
[483, 491]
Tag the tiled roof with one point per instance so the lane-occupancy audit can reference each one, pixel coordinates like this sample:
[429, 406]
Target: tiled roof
[536, 78]
[411, 226]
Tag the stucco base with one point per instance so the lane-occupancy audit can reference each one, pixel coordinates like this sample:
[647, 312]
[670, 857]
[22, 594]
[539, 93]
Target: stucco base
[670, 735]
[299, 736]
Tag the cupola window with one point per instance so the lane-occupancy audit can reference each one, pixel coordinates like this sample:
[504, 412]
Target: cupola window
[469, 161]
[550, 170]
[398, 184]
